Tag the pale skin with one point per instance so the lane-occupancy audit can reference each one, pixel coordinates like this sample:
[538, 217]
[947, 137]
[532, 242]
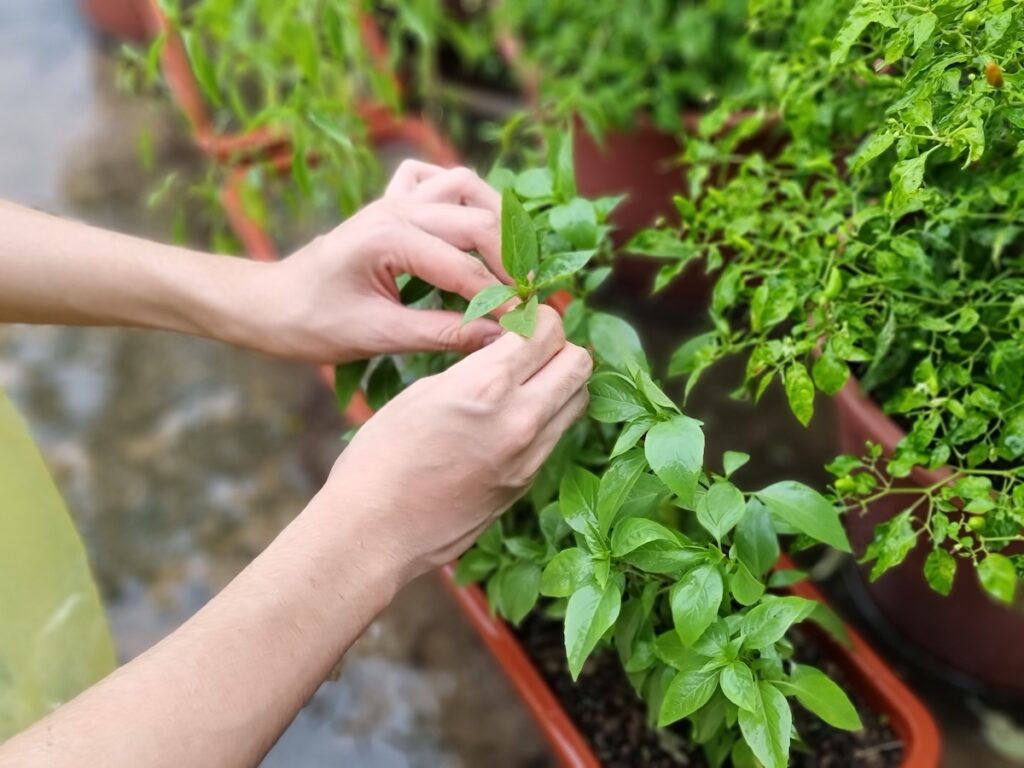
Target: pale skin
[422, 479]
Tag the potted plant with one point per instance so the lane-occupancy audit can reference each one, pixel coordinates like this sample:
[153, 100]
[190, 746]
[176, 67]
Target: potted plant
[634, 551]
[877, 260]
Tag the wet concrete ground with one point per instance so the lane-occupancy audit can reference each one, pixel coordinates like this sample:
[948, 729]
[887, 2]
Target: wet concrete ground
[181, 459]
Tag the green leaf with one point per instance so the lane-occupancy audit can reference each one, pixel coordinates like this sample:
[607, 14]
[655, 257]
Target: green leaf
[634, 532]
[347, 378]
[487, 300]
[518, 238]
[665, 557]
[54, 641]
[940, 570]
[892, 541]
[329, 125]
[922, 26]
[534, 183]
[474, 565]
[675, 451]
[799, 392]
[733, 461]
[519, 586]
[590, 613]
[522, 319]
[631, 434]
[686, 359]
[384, 383]
[745, 587]
[755, 540]
[807, 511]
[998, 576]
[561, 265]
[872, 148]
[830, 373]
[689, 690]
[615, 342]
[202, 67]
[767, 623]
[907, 175]
[767, 728]
[720, 509]
[576, 221]
[738, 685]
[614, 398]
[577, 499]
[695, 600]
[616, 484]
[819, 694]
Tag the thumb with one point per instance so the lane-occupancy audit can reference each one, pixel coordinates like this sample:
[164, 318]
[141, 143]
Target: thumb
[429, 330]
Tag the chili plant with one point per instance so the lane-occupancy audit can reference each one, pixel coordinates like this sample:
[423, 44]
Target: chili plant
[609, 62]
[627, 536]
[881, 241]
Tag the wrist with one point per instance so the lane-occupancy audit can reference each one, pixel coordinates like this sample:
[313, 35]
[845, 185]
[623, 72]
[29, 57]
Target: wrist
[230, 300]
[351, 569]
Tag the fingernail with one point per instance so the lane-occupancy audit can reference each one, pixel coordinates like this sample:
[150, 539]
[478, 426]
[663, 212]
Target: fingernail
[488, 340]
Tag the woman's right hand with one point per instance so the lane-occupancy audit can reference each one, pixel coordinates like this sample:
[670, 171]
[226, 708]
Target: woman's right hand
[435, 467]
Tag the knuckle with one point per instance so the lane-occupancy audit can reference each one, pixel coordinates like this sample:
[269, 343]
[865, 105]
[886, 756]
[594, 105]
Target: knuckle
[549, 323]
[492, 387]
[451, 338]
[463, 175]
[520, 432]
[583, 363]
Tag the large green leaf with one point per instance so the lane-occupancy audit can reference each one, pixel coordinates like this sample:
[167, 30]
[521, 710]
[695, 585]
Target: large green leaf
[806, 510]
[54, 640]
[675, 451]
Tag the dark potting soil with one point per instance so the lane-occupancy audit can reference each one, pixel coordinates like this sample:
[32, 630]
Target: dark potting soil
[612, 717]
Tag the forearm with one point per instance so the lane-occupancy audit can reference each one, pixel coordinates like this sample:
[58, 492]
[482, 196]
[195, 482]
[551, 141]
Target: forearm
[220, 690]
[63, 272]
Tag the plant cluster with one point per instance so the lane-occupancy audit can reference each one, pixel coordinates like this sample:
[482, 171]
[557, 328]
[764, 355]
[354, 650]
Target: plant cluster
[880, 238]
[627, 536]
[607, 62]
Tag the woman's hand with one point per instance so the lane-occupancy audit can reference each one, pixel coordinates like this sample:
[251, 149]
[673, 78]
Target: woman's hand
[335, 300]
[434, 467]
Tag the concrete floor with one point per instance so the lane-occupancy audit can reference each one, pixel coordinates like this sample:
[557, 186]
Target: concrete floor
[181, 459]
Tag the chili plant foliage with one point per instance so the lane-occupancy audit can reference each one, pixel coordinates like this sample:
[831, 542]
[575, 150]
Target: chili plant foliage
[882, 239]
[609, 62]
[627, 535]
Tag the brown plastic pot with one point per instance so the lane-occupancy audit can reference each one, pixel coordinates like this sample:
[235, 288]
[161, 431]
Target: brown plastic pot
[120, 19]
[247, 146]
[967, 637]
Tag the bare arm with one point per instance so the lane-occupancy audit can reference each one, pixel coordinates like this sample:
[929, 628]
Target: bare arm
[419, 483]
[399, 501]
[332, 301]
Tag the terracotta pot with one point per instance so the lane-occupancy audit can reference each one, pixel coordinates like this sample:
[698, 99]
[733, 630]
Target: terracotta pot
[254, 145]
[967, 637]
[119, 19]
